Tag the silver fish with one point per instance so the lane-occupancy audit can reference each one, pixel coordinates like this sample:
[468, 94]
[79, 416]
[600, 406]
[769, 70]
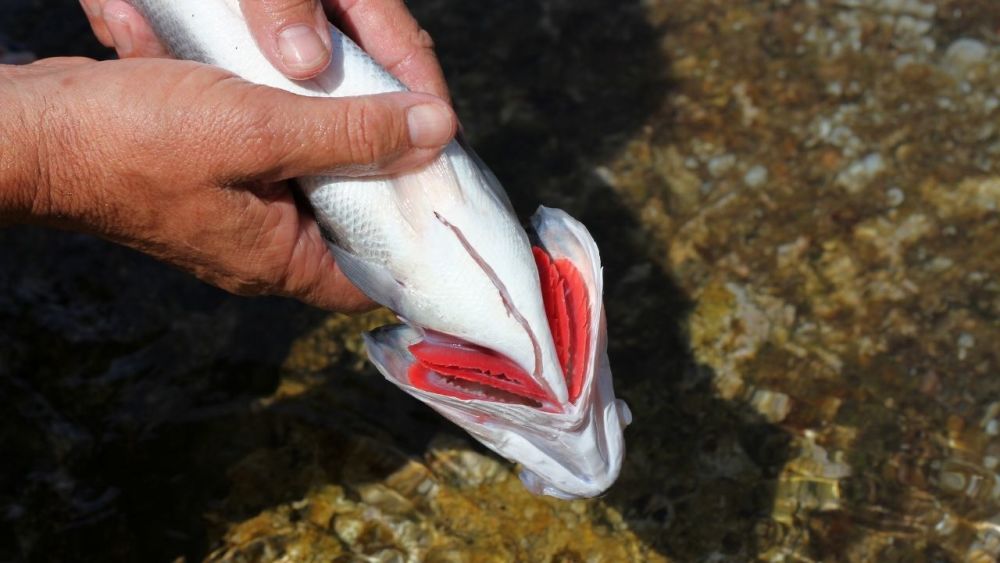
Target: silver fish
[504, 338]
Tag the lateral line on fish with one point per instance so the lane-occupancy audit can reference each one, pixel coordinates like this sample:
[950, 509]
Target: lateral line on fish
[504, 296]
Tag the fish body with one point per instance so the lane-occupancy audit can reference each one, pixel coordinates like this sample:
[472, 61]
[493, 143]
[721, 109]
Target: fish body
[505, 338]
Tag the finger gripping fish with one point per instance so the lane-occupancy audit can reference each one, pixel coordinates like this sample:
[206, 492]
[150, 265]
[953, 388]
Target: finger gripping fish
[504, 337]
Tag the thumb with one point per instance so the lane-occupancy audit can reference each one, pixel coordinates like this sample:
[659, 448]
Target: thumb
[284, 135]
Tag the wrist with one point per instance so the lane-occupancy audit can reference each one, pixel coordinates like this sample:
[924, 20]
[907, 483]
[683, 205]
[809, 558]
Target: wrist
[20, 170]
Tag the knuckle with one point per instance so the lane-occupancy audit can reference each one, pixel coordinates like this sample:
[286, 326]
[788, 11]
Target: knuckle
[424, 40]
[366, 128]
[285, 11]
[252, 132]
[419, 44]
[258, 133]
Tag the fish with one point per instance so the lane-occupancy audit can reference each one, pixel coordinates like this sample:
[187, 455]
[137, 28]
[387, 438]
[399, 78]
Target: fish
[501, 331]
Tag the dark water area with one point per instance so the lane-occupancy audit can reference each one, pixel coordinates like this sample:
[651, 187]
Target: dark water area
[798, 210]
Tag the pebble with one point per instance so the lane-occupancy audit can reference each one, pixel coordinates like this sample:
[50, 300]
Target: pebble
[993, 427]
[719, 165]
[953, 481]
[774, 406]
[859, 173]
[895, 197]
[966, 340]
[963, 54]
[756, 176]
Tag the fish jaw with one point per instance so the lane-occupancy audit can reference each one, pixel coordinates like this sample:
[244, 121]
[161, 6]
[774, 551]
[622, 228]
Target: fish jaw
[570, 447]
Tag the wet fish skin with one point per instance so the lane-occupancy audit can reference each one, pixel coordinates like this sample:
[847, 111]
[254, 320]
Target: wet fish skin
[442, 247]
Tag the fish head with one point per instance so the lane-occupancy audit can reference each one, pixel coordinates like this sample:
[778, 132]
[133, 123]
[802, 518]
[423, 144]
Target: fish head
[565, 429]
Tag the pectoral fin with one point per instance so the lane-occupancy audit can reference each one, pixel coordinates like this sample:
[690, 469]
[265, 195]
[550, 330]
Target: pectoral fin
[373, 279]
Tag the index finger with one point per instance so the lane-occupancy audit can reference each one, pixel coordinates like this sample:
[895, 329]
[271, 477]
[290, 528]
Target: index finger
[292, 34]
[388, 32]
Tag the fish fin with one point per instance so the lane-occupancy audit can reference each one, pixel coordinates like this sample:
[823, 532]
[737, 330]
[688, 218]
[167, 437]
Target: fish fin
[373, 279]
[490, 180]
[425, 192]
[437, 189]
[389, 350]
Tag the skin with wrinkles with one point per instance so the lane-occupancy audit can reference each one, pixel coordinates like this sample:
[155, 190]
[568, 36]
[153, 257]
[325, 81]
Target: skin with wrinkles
[170, 170]
[70, 161]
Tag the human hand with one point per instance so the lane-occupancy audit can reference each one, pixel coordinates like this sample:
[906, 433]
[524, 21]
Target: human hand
[294, 36]
[187, 163]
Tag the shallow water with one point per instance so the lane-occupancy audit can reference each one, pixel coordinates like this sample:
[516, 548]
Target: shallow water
[798, 206]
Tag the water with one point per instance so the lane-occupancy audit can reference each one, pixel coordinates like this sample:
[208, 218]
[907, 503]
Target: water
[797, 206]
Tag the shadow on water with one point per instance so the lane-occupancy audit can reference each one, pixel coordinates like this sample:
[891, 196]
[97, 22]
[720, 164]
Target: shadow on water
[110, 364]
[131, 392]
[557, 88]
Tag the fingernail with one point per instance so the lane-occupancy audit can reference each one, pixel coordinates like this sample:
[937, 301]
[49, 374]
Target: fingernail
[430, 125]
[301, 48]
[121, 34]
